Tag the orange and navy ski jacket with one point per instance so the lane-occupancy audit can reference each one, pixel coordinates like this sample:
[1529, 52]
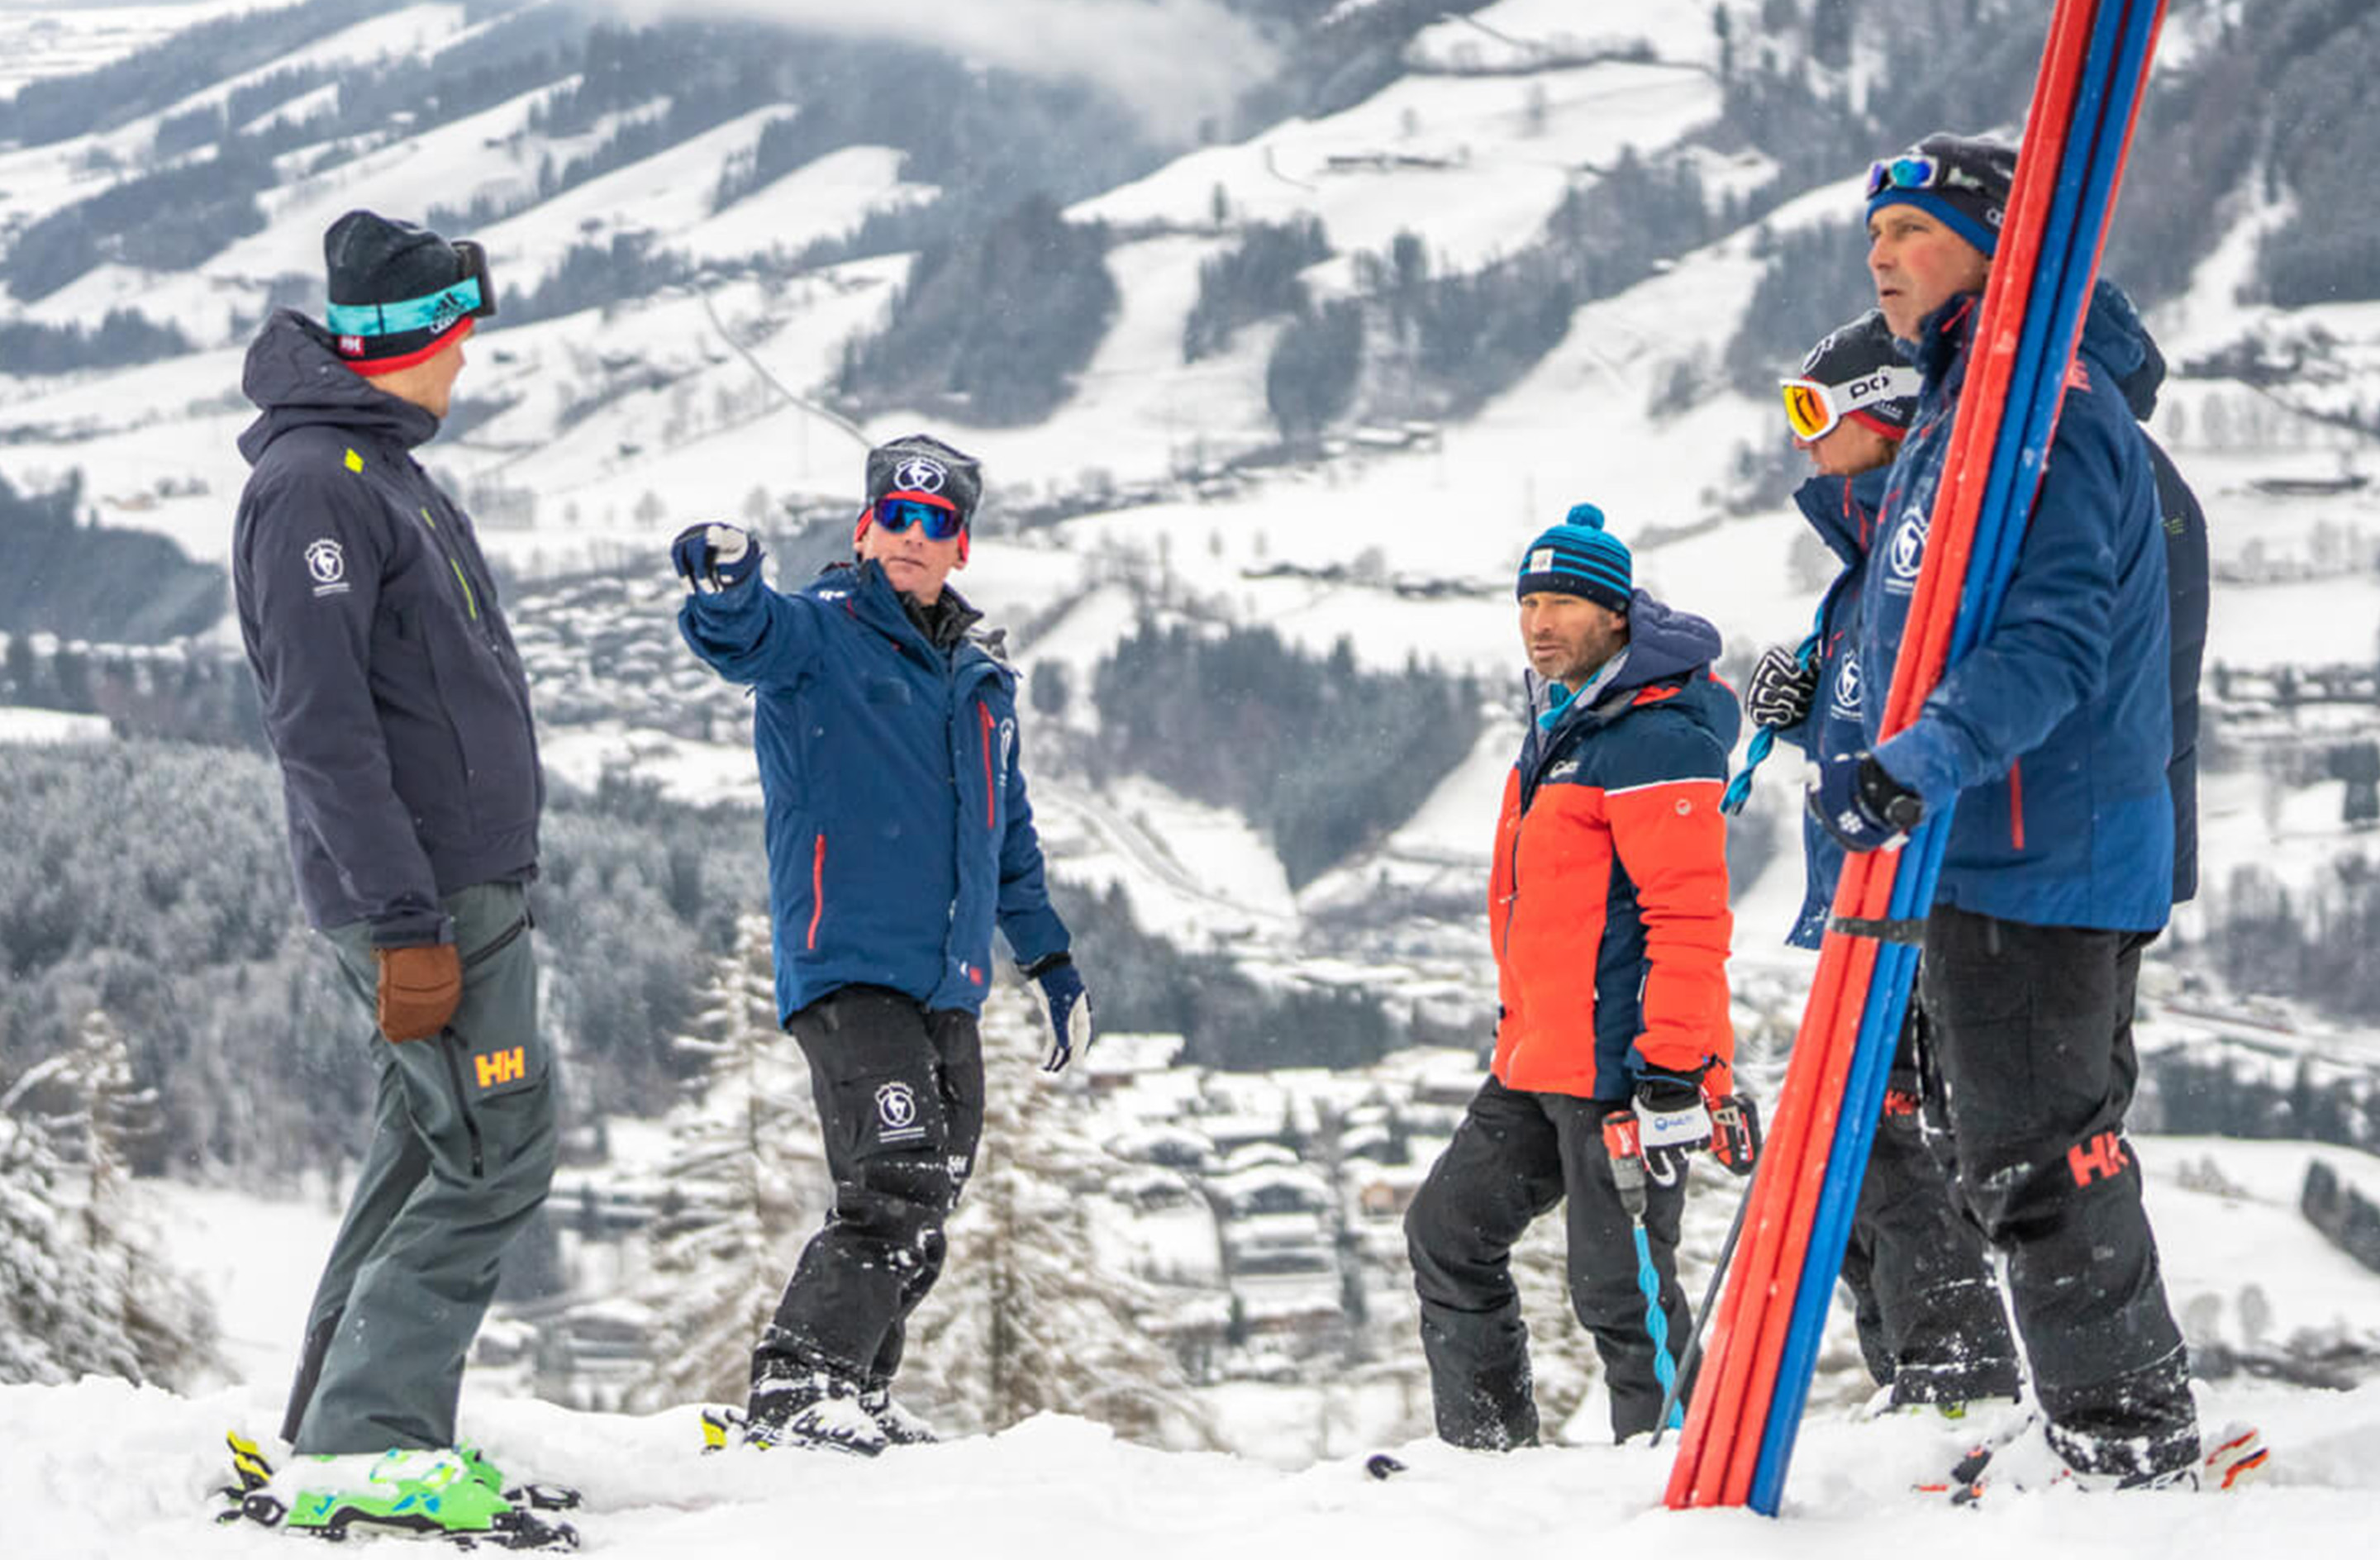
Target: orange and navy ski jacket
[898, 828]
[1608, 903]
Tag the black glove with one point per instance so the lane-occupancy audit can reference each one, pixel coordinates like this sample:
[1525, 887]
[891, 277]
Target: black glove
[1782, 688]
[1859, 804]
[713, 557]
[1672, 1121]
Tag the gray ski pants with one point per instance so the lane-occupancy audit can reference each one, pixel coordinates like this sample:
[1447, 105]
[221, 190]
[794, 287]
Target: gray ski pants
[461, 1155]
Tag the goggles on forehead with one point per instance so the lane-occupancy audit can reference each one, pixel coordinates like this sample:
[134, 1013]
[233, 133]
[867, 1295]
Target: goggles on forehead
[1913, 171]
[936, 517]
[472, 297]
[1813, 409]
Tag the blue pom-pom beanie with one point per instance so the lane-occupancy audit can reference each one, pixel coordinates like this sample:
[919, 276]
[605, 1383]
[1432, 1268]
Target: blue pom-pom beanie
[1579, 558]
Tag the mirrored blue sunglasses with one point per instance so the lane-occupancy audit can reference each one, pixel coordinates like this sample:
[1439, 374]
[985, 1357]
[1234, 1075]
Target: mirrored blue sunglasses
[939, 522]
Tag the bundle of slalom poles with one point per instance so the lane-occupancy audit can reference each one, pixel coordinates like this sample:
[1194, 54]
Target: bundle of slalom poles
[1764, 1339]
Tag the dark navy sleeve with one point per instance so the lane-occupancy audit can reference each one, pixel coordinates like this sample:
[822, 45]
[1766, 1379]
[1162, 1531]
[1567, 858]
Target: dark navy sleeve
[2047, 651]
[751, 634]
[314, 551]
[1026, 918]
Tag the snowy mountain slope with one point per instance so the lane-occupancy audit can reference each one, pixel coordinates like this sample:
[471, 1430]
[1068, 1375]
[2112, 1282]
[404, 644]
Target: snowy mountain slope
[47, 41]
[624, 423]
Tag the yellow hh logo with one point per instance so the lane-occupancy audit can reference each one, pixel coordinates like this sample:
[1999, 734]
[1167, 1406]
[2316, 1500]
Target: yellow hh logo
[501, 1067]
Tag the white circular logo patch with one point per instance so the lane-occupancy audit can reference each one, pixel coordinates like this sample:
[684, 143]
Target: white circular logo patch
[325, 562]
[895, 1105]
[918, 474]
[1909, 545]
[1847, 684]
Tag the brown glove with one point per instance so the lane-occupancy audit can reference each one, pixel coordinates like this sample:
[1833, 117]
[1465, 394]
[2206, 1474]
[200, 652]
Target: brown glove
[418, 989]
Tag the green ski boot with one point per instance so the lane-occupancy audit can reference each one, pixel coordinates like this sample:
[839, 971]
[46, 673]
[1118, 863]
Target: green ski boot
[434, 1493]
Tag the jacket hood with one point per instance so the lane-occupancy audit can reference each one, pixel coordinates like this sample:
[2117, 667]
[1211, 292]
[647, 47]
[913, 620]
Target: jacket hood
[2113, 338]
[297, 381]
[1664, 642]
[2112, 312]
[1843, 520]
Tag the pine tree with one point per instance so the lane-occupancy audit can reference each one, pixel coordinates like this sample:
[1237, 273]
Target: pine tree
[1028, 1317]
[746, 1186]
[81, 1286]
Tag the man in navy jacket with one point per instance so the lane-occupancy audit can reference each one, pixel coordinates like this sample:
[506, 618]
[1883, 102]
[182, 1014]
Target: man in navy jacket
[398, 707]
[2053, 735]
[899, 835]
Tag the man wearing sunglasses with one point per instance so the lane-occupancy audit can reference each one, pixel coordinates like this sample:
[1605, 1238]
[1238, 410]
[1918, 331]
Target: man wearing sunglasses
[1931, 1324]
[899, 835]
[399, 709]
[2053, 735]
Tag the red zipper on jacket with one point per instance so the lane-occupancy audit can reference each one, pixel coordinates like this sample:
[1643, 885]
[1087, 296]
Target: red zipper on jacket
[983, 712]
[818, 889]
[2016, 804]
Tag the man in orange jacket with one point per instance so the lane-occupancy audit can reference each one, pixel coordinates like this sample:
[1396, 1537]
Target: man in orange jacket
[1607, 904]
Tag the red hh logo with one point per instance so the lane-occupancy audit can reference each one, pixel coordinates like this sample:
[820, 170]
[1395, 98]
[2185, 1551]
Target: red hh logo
[501, 1067]
[2103, 1158]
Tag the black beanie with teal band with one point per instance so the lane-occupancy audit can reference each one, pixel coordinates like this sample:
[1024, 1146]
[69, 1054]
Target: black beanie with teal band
[1579, 558]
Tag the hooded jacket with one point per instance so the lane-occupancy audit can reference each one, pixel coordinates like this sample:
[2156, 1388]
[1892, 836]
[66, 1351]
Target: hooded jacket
[392, 690]
[1607, 900]
[2053, 733]
[1843, 513]
[897, 824]
[2186, 576]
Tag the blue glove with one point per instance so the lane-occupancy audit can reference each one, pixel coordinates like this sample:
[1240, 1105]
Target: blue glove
[1858, 802]
[1069, 1007]
[714, 558]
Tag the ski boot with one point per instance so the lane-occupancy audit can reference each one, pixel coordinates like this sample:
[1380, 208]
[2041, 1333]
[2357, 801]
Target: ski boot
[430, 1494]
[819, 1411]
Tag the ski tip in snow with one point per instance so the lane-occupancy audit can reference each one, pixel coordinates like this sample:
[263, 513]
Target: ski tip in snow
[1380, 1465]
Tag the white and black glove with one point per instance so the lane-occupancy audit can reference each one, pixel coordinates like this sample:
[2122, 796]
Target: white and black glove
[714, 558]
[1782, 688]
[1673, 1122]
[1069, 1007]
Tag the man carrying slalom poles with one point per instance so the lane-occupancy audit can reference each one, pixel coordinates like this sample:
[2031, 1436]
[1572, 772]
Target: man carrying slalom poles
[2023, 616]
[2052, 734]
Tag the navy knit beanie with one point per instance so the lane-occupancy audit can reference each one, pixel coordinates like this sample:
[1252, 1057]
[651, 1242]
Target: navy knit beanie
[1579, 558]
[1961, 181]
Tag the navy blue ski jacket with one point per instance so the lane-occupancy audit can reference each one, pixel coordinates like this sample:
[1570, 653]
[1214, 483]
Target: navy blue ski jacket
[2054, 732]
[898, 828]
[1843, 513]
[392, 689]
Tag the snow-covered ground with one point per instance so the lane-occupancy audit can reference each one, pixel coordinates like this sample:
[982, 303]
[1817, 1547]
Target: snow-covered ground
[104, 1468]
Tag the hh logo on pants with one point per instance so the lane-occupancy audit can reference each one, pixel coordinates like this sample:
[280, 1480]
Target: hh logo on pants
[501, 1067]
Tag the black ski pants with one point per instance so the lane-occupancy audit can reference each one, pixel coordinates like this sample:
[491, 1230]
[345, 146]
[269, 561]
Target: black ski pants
[1513, 1157]
[900, 1101]
[1931, 1324]
[2030, 1068]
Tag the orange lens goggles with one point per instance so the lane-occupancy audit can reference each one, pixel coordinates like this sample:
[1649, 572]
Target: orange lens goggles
[1809, 409]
